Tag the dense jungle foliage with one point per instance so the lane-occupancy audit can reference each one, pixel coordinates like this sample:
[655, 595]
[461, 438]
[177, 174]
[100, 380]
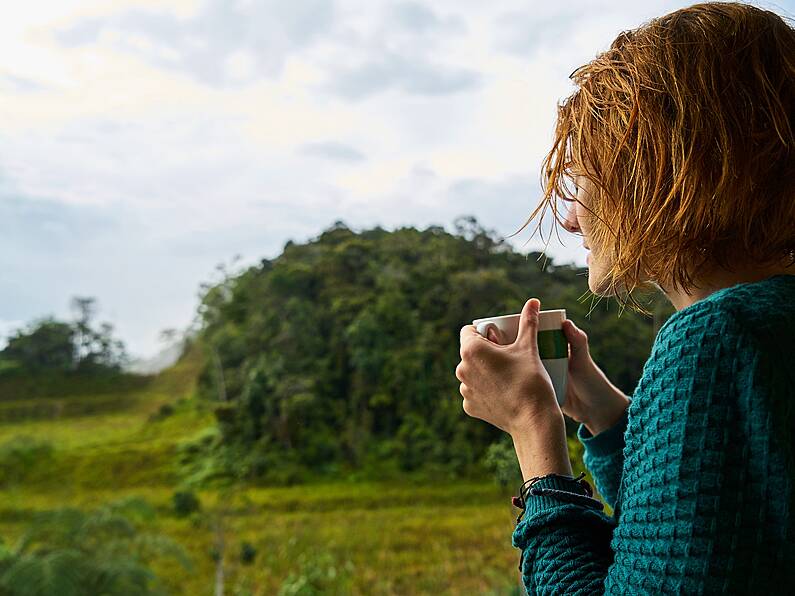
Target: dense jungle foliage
[340, 353]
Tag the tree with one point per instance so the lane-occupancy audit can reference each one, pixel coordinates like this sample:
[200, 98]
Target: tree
[45, 344]
[96, 348]
[84, 308]
[49, 344]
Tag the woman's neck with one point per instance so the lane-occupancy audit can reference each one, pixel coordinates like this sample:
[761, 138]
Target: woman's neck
[720, 278]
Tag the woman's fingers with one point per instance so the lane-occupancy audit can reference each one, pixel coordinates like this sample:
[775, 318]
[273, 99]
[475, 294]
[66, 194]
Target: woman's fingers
[577, 338]
[459, 371]
[466, 404]
[471, 340]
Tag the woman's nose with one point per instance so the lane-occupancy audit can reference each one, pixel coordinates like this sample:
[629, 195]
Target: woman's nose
[570, 223]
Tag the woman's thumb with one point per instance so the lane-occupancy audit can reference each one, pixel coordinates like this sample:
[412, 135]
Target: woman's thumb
[528, 324]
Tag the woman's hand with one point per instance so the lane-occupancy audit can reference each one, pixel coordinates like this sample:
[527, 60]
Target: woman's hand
[590, 396]
[507, 385]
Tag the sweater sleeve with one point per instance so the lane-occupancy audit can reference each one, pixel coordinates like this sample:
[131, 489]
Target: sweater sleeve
[660, 537]
[604, 457]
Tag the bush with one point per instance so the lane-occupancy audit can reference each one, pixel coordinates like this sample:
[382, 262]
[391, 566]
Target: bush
[318, 573]
[268, 464]
[163, 411]
[9, 367]
[185, 502]
[202, 459]
[21, 455]
[320, 448]
[417, 443]
[501, 460]
[247, 553]
[107, 550]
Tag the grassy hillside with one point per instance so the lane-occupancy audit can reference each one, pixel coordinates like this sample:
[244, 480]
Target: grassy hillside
[91, 443]
[328, 367]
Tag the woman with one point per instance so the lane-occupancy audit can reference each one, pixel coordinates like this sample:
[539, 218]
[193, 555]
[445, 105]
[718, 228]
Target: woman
[680, 142]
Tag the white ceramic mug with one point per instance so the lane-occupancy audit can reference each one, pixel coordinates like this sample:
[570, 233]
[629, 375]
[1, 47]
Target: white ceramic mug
[552, 345]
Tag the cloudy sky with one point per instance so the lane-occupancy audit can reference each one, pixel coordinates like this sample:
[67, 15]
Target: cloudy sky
[145, 141]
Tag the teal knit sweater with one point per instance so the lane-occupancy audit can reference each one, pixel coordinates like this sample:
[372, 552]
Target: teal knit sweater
[699, 471]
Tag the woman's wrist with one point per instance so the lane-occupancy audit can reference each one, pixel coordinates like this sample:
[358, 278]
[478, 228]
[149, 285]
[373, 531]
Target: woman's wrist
[612, 406]
[541, 446]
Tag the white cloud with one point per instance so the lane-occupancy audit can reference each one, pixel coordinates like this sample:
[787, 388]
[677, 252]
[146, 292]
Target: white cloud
[237, 42]
[339, 152]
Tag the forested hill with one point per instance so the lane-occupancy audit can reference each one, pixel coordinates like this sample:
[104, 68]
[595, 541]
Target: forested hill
[341, 352]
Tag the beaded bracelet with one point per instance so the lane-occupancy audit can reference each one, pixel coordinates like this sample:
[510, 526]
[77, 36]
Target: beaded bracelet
[567, 496]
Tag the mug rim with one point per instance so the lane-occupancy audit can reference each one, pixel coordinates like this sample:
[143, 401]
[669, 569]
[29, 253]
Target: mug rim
[500, 317]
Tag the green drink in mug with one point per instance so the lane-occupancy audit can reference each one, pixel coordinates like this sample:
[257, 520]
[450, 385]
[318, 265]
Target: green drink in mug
[552, 345]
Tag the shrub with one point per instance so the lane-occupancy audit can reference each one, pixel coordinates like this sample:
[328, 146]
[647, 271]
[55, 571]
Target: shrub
[163, 411]
[318, 573]
[501, 460]
[185, 502]
[106, 551]
[247, 553]
[417, 443]
[21, 455]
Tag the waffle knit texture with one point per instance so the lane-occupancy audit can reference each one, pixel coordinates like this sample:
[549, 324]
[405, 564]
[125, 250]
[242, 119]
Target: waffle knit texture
[698, 471]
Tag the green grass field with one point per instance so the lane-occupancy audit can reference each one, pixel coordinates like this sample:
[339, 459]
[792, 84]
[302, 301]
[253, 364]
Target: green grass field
[349, 538]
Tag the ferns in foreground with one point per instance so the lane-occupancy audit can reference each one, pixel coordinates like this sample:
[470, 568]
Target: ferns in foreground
[73, 552]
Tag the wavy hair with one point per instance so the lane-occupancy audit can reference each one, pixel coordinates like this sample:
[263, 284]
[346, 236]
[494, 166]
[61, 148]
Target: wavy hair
[684, 127]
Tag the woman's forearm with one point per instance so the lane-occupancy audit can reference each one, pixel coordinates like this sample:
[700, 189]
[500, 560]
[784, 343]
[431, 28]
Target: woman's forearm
[541, 447]
[611, 403]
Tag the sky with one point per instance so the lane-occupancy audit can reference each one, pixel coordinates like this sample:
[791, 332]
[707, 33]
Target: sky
[145, 142]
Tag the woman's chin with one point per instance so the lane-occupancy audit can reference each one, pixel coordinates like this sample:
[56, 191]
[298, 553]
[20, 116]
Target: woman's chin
[597, 285]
